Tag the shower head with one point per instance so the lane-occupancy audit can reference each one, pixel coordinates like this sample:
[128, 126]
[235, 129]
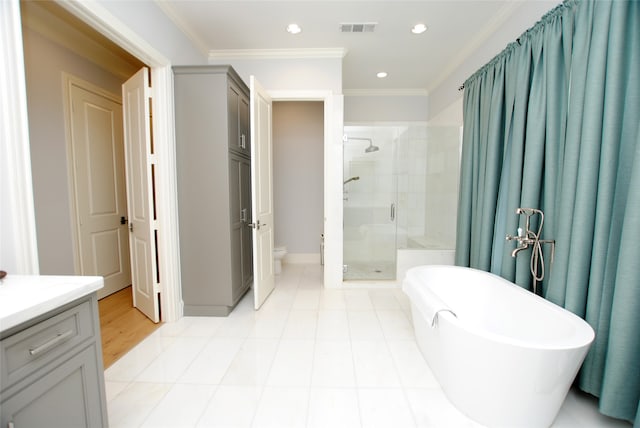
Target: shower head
[371, 147]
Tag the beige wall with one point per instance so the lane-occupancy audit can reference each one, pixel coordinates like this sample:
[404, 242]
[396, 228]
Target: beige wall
[298, 173]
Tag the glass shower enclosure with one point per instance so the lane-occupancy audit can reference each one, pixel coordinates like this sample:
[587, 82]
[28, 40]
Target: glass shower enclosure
[369, 203]
[400, 192]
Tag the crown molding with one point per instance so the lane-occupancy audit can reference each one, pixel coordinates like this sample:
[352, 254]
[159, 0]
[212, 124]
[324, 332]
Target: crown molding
[408, 92]
[168, 10]
[277, 53]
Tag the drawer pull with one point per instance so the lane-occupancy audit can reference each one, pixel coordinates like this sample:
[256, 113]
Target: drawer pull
[59, 338]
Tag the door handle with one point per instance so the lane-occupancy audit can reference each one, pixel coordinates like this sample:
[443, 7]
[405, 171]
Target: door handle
[123, 220]
[130, 226]
[393, 212]
[255, 225]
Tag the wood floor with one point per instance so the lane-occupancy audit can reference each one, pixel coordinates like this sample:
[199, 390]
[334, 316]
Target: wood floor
[122, 326]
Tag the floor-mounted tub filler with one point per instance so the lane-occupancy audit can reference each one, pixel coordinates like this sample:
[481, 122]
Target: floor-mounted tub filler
[503, 356]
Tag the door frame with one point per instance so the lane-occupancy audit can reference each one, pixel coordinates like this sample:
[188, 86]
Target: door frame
[19, 249]
[333, 118]
[164, 144]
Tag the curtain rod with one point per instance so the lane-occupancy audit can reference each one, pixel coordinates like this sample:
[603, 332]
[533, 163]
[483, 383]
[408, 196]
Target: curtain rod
[547, 16]
[461, 87]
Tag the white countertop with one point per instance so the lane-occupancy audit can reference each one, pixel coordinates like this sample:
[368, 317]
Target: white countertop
[23, 297]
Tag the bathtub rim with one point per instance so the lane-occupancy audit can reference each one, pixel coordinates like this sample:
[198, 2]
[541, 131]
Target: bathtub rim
[583, 336]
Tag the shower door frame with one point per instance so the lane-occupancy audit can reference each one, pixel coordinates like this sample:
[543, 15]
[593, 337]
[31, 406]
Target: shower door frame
[379, 234]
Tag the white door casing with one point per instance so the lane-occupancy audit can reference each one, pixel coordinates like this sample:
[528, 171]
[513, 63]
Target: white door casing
[98, 181]
[261, 191]
[140, 162]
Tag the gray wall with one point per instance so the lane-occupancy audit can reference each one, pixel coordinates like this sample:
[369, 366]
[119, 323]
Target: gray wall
[385, 108]
[298, 174]
[45, 62]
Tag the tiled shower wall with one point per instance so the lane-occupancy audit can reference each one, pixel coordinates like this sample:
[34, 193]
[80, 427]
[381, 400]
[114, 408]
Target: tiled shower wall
[428, 174]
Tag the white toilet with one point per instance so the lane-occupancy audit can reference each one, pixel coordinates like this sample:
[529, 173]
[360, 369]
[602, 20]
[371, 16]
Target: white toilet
[278, 255]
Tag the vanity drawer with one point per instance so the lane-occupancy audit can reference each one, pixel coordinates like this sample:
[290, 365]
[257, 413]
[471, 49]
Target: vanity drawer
[32, 348]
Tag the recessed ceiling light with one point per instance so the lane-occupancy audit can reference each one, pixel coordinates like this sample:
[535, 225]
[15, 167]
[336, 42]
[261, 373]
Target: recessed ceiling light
[382, 74]
[419, 29]
[294, 28]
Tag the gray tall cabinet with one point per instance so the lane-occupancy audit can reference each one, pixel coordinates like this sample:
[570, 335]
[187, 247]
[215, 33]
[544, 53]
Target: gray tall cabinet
[213, 152]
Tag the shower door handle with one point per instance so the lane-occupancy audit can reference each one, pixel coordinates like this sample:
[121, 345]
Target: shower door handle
[393, 212]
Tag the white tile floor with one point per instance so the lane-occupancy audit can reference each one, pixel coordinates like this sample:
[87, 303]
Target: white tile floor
[309, 358]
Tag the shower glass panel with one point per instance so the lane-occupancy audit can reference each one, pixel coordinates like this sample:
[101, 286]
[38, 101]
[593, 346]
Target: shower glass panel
[370, 202]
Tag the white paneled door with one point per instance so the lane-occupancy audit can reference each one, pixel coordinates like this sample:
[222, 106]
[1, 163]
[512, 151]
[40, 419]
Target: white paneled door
[262, 192]
[99, 186]
[140, 163]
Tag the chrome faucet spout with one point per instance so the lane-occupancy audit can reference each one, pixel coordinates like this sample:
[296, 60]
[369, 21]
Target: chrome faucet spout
[518, 249]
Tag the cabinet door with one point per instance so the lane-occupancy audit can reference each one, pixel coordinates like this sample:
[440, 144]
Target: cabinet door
[238, 121]
[247, 235]
[238, 221]
[67, 396]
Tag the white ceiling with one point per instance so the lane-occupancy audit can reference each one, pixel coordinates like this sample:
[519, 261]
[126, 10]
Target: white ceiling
[414, 63]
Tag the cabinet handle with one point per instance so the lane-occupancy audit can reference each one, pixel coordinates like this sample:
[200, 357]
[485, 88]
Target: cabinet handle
[243, 141]
[54, 341]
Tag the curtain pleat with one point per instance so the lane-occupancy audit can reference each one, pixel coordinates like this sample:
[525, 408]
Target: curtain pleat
[553, 123]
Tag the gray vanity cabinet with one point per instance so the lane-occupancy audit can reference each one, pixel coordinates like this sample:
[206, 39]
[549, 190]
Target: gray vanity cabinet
[51, 371]
[213, 152]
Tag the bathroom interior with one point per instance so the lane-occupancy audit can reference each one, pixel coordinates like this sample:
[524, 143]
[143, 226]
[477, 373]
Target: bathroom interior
[400, 193]
[399, 202]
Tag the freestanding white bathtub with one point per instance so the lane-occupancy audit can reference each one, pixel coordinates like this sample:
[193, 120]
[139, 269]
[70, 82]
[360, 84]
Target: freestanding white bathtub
[503, 356]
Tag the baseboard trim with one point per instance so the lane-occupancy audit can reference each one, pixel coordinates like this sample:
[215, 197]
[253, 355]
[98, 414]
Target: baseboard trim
[302, 258]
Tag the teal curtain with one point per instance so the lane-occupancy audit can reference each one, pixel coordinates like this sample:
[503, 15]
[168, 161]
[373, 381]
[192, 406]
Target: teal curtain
[553, 122]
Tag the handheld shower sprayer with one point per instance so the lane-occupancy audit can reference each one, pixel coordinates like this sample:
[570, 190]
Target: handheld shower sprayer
[356, 178]
[526, 238]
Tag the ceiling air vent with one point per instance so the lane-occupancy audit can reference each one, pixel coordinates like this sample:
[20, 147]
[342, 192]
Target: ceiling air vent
[358, 27]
